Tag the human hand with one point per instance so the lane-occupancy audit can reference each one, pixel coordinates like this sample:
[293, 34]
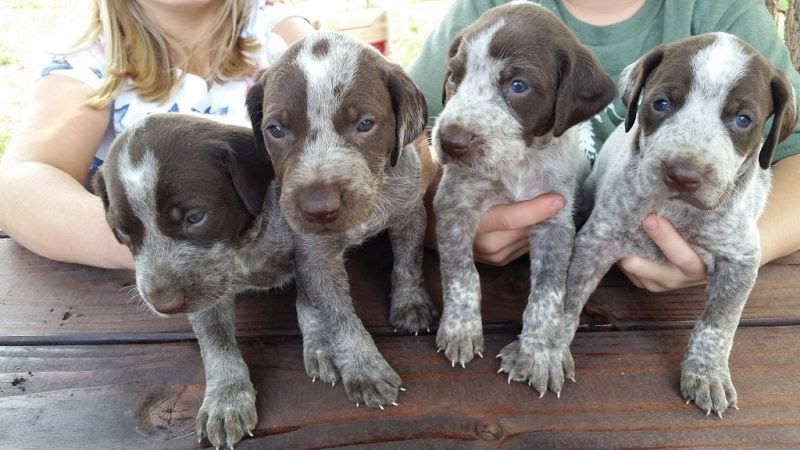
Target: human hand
[503, 231]
[684, 269]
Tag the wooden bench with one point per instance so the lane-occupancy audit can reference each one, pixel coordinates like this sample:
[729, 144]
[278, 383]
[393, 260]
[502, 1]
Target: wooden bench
[83, 366]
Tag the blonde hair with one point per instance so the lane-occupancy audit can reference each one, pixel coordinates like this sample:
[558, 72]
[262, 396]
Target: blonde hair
[135, 47]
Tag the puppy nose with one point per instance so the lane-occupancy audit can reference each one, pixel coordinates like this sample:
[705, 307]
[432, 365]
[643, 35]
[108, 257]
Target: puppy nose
[166, 299]
[321, 204]
[683, 177]
[455, 140]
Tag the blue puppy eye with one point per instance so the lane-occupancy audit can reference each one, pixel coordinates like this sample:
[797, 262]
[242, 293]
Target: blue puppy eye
[661, 105]
[365, 125]
[742, 121]
[195, 218]
[518, 86]
[276, 131]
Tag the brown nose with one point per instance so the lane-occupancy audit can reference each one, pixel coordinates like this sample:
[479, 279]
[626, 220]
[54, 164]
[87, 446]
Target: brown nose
[320, 204]
[455, 140]
[166, 299]
[683, 177]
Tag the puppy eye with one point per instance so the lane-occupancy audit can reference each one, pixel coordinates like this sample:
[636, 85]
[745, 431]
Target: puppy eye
[518, 86]
[742, 121]
[276, 131]
[661, 105]
[365, 125]
[450, 78]
[195, 217]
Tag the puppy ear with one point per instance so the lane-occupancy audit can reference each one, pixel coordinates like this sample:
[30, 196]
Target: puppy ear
[410, 110]
[585, 89]
[250, 170]
[784, 117]
[255, 109]
[99, 187]
[632, 80]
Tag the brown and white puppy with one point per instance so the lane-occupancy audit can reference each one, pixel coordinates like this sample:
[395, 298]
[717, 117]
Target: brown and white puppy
[190, 198]
[517, 82]
[695, 155]
[337, 120]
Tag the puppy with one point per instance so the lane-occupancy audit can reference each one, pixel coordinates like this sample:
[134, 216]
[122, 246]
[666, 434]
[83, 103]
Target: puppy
[189, 197]
[506, 134]
[337, 120]
[696, 156]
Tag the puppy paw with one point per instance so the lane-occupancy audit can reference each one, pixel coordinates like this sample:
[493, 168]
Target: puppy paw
[708, 386]
[371, 381]
[537, 365]
[318, 360]
[228, 413]
[412, 310]
[460, 340]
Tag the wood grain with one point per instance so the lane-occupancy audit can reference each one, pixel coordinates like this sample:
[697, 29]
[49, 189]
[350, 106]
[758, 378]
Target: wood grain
[43, 301]
[146, 396]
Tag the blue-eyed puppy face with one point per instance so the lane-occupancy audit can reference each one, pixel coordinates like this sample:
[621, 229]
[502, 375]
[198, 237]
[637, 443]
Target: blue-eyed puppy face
[333, 115]
[182, 192]
[702, 104]
[514, 79]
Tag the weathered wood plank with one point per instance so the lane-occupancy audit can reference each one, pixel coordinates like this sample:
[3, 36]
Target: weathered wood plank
[146, 396]
[44, 301]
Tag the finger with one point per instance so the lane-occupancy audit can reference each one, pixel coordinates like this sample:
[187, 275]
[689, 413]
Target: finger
[521, 214]
[504, 256]
[658, 277]
[487, 244]
[633, 278]
[674, 246]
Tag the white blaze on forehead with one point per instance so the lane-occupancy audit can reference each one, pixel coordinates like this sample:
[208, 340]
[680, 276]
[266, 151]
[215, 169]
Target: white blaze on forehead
[482, 71]
[716, 70]
[335, 67]
[139, 181]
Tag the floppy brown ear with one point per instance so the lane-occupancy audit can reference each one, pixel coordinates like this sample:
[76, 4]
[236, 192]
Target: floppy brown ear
[784, 117]
[99, 187]
[410, 110]
[632, 80]
[255, 109]
[250, 170]
[585, 89]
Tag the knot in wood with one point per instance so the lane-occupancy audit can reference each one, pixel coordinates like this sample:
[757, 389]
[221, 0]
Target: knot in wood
[488, 430]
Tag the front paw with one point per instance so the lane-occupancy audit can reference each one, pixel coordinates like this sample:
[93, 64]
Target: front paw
[370, 380]
[227, 413]
[460, 340]
[709, 386]
[318, 359]
[412, 310]
[537, 365]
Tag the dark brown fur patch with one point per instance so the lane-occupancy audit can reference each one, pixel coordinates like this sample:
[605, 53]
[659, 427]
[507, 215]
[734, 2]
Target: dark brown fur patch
[320, 48]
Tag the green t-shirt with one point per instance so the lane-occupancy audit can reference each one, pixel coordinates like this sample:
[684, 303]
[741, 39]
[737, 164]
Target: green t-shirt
[618, 45]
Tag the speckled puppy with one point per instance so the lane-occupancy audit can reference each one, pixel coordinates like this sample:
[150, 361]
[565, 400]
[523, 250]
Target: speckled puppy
[337, 120]
[190, 198]
[517, 82]
[692, 156]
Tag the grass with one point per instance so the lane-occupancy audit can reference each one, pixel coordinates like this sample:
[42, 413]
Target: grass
[31, 28]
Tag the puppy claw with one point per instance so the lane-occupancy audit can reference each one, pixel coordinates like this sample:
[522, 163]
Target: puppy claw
[558, 394]
[735, 407]
[394, 403]
[250, 432]
[572, 379]
[403, 389]
[719, 414]
[479, 353]
[416, 333]
[687, 401]
[542, 394]
[708, 411]
[463, 366]
[381, 407]
[314, 379]
[357, 405]
[499, 370]
[427, 329]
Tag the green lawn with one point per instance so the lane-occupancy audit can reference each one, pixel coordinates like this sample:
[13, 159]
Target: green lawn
[31, 28]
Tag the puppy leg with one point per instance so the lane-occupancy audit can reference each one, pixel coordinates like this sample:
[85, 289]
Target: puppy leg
[412, 309]
[229, 406]
[460, 332]
[535, 358]
[592, 255]
[705, 376]
[336, 331]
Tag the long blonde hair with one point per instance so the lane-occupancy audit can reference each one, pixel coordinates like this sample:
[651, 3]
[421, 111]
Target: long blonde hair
[135, 47]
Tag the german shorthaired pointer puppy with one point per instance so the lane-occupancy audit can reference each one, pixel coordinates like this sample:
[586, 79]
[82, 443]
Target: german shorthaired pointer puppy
[337, 120]
[695, 155]
[188, 196]
[506, 134]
